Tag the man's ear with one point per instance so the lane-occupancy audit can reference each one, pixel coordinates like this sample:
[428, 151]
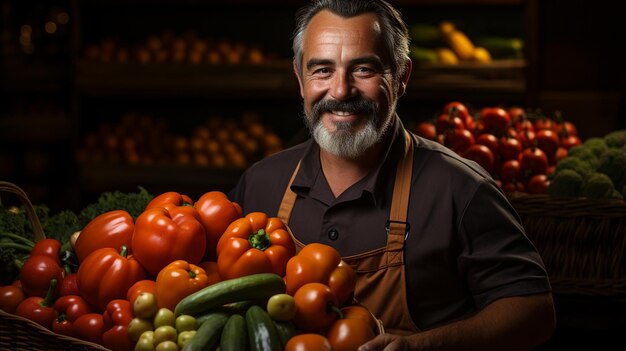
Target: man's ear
[297, 73]
[404, 80]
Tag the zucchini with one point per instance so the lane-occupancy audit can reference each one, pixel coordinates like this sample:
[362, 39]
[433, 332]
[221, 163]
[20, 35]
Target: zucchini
[208, 334]
[235, 334]
[262, 334]
[286, 330]
[250, 287]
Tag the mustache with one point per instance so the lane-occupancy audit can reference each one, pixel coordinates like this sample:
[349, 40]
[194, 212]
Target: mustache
[353, 105]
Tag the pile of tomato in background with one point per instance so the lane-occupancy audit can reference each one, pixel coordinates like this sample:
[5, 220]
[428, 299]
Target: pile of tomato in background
[529, 152]
[179, 274]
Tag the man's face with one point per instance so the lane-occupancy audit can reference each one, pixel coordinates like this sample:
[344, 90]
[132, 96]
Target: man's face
[346, 83]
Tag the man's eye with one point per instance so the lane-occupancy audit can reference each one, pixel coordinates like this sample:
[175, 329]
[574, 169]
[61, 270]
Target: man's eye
[322, 70]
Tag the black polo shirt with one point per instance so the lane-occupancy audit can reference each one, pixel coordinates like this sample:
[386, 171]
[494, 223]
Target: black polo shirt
[465, 248]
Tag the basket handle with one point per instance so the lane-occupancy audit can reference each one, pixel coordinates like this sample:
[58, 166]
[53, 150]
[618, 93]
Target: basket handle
[38, 233]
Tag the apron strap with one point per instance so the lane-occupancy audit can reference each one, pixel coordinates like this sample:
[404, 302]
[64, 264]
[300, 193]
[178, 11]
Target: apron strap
[397, 225]
[289, 199]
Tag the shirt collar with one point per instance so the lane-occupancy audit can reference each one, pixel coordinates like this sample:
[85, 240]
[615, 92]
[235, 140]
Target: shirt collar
[310, 179]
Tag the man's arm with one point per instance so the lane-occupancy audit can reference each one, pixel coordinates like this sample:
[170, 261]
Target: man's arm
[512, 323]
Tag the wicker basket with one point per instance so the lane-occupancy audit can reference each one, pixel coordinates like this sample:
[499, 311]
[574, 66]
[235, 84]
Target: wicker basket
[17, 333]
[581, 241]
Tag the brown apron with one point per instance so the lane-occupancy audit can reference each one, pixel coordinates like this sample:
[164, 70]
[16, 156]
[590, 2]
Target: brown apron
[381, 284]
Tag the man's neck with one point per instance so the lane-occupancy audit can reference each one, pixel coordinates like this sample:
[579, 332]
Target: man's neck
[341, 173]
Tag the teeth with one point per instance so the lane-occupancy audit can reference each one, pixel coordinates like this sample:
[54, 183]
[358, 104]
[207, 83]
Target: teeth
[341, 113]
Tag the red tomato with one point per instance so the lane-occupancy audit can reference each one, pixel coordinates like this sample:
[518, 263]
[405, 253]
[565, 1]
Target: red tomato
[548, 141]
[560, 154]
[446, 122]
[481, 155]
[360, 312]
[566, 128]
[544, 123]
[513, 187]
[509, 148]
[347, 334]
[426, 130]
[510, 171]
[518, 114]
[533, 161]
[316, 307]
[456, 108]
[10, 297]
[538, 184]
[308, 342]
[495, 119]
[458, 140]
[489, 140]
[570, 141]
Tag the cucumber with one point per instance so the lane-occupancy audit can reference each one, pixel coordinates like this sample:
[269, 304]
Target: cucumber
[250, 287]
[235, 334]
[262, 334]
[239, 307]
[286, 330]
[208, 334]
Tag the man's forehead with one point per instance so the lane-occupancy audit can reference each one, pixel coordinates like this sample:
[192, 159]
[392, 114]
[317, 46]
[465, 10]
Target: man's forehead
[327, 27]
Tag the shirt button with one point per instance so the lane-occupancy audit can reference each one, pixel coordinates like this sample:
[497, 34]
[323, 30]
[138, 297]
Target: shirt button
[333, 234]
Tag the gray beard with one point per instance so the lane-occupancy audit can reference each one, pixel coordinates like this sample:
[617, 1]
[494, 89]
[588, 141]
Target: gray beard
[345, 143]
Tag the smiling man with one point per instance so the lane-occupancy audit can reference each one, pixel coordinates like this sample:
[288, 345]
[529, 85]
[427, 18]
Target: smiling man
[440, 254]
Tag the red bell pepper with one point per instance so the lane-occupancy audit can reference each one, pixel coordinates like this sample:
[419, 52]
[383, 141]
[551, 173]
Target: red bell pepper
[110, 229]
[68, 309]
[216, 212]
[107, 274]
[319, 263]
[69, 285]
[163, 235]
[116, 317]
[40, 310]
[48, 247]
[254, 244]
[145, 285]
[169, 199]
[177, 280]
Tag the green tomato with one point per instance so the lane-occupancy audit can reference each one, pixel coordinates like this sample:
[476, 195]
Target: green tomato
[145, 305]
[281, 307]
[137, 326]
[184, 337]
[145, 342]
[165, 333]
[167, 346]
[164, 316]
[185, 322]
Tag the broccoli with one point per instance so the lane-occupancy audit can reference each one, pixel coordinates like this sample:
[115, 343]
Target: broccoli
[59, 226]
[613, 164]
[616, 139]
[585, 154]
[575, 164]
[133, 203]
[567, 182]
[596, 145]
[597, 186]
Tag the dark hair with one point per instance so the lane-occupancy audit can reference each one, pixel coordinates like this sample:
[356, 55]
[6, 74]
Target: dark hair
[394, 29]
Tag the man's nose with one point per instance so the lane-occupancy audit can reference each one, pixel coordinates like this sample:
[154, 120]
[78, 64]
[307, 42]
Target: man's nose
[341, 86]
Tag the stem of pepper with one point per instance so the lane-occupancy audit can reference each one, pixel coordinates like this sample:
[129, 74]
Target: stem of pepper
[49, 299]
[260, 240]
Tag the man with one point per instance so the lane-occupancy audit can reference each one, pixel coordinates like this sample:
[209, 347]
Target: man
[441, 256]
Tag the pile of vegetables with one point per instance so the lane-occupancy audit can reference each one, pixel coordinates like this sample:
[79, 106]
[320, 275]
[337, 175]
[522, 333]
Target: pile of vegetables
[518, 148]
[596, 169]
[190, 275]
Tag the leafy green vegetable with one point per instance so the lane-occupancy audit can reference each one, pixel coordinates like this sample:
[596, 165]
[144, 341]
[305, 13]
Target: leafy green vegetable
[133, 203]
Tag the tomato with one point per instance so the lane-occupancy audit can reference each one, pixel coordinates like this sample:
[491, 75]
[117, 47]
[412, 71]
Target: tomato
[361, 312]
[533, 161]
[137, 326]
[281, 307]
[347, 334]
[481, 155]
[544, 123]
[165, 333]
[495, 119]
[458, 140]
[509, 148]
[145, 305]
[90, 327]
[36, 274]
[548, 141]
[426, 130]
[489, 140]
[456, 108]
[560, 154]
[145, 285]
[446, 122]
[177, 280]
[164, 316]
[216, 212]
[184, 337]
[566, 128]
[518, 114]
[316, 307]
[570, 141]
[185, 322]
[47, 247]
[513, 187]
[510, 171]
[308, 342]
[10, 298]
[538, 184]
